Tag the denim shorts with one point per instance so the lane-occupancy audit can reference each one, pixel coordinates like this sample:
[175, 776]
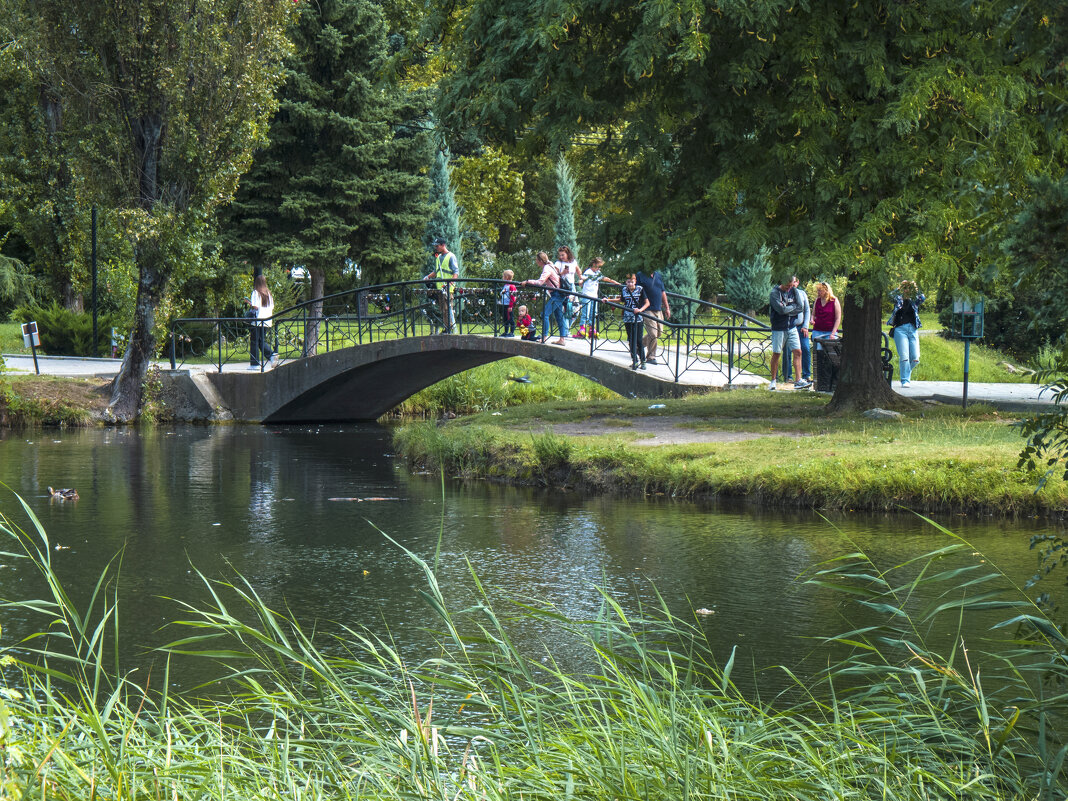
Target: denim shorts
[791, 337]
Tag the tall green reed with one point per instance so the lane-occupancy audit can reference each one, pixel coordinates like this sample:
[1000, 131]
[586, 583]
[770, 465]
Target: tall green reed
[346, 714]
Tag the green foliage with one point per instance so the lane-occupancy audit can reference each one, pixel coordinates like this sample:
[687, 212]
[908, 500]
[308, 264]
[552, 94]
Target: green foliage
[1047, 434]
[445, 220]
[680, 277]
[68, 333]
[748, 283]
[490, 191]
[564, 230]
[16, 285]
[340, 179]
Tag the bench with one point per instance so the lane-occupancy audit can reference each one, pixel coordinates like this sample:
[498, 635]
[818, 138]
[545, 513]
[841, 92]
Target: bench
[828, 360]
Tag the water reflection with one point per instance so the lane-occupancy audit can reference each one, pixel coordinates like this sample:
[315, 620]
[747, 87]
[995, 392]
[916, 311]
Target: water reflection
[257, 501]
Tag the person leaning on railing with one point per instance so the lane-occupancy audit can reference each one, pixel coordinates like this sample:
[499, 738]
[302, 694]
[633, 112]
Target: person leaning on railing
[554, 301]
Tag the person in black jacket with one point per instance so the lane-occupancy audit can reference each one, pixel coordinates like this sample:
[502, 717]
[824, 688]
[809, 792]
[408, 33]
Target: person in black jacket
[786, 307]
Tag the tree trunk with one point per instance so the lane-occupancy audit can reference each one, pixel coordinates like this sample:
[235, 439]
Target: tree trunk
[861, 384]
[128, 386]
[315, 311]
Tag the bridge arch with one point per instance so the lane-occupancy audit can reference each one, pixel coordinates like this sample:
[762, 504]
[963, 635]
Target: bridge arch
[363, 382]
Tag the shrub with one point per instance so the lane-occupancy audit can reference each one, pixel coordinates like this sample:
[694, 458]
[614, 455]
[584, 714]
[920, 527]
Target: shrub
[67, 333]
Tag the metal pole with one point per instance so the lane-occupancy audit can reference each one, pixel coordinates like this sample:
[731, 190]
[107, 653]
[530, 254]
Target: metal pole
[967, 354]
[94, 350]
[33, 350]
[730, 355]
[174, 364]
[218, 328]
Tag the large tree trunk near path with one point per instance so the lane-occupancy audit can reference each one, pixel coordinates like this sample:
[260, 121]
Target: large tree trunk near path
[861, 385]
[128, 386]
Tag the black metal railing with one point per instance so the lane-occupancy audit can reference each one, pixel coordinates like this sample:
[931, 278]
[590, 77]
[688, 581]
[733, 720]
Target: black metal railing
[713, 338]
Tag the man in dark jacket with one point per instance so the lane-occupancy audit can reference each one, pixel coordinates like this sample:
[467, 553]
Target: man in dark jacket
[785, 308]
[658, 310]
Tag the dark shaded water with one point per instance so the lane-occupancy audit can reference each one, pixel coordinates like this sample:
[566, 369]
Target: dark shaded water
[259, 502]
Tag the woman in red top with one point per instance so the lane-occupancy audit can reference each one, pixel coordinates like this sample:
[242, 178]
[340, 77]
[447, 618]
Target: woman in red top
[826, 313]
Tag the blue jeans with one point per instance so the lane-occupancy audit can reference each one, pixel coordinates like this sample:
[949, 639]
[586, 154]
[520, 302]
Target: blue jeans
[907, 341]
[259, 345]
[806, 360]
[588, 313]
[554, 310]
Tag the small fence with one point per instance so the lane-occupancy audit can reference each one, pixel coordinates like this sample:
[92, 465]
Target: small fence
[701, 337]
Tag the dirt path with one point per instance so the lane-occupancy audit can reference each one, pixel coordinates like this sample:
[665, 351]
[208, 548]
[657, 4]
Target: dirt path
[651, 431]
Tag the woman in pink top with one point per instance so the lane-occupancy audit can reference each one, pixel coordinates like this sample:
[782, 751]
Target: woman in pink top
[550, 282]
[826, 313]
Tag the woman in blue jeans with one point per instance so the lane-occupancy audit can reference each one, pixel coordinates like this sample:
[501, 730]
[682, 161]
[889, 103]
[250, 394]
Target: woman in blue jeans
[554, 300]
[904, 325]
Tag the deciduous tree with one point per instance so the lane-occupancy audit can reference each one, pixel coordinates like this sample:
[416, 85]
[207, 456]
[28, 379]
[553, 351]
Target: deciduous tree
[161, 103]
[852, 138]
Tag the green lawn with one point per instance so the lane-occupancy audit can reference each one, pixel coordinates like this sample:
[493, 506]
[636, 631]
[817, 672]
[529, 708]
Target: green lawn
[943, 360]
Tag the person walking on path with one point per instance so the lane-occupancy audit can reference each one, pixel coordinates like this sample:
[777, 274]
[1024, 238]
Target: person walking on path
[446, 270]
[784, 307]
[659, 309]
[904, 325]
[554, 301]
[261, 309]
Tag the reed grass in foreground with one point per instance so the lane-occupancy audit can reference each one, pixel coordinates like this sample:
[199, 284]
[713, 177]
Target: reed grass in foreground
[652, 718]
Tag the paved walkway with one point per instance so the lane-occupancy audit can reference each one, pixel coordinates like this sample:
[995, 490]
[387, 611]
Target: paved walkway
[1010, 397]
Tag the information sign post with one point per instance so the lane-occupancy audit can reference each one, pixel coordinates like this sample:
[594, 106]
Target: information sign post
[970, 314]
[31, 340]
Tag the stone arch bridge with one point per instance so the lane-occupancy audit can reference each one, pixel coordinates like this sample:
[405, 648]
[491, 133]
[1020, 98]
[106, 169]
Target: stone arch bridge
[376, 346]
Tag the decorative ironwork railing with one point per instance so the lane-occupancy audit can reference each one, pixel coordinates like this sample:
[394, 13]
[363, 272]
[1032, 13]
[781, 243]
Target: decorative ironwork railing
[700, 337]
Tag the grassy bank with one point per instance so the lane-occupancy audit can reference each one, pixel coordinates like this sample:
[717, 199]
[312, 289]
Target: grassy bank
[653, 716]
[937, 459]
[494, 386]
[32, 400]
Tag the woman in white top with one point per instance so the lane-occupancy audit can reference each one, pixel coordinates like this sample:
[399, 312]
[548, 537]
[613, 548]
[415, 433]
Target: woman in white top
[262, 302]
[591, 282]
[567, 267]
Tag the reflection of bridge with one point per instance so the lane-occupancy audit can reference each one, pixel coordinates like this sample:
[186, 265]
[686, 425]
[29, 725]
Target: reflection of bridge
[376, 346]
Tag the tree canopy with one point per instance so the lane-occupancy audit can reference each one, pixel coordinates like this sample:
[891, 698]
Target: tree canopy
[340, 179]
[876, 140]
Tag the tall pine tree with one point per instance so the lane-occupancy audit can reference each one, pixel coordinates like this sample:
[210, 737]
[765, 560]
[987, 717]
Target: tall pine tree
[445, 220]
[340, 179]
[564, 231]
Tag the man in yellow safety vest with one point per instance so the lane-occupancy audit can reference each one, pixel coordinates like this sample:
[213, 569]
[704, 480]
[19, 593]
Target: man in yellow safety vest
[446, 269]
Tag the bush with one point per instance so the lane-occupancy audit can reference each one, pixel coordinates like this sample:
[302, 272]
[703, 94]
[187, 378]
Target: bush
[748, 284]
[68, 333]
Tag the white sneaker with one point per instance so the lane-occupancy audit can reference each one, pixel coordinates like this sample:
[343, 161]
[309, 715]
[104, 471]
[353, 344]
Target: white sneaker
[906, 383]
[771, 386]
[274, 360]
[802, 384]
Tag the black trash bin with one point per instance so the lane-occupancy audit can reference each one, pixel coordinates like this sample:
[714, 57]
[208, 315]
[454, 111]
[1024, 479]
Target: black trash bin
[828, 354]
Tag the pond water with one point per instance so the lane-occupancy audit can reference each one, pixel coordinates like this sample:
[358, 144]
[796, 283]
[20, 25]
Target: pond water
[264, 503]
